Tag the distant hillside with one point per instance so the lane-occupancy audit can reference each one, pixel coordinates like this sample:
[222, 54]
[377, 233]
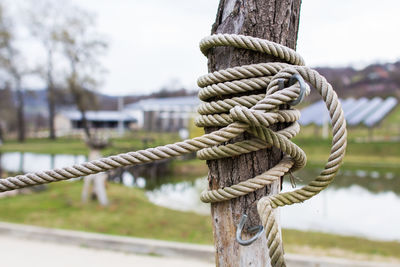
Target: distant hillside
[36, 101]
[374, 80]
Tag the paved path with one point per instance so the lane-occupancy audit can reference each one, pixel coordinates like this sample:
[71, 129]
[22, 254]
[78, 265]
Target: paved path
[19, 252]
[24, 245]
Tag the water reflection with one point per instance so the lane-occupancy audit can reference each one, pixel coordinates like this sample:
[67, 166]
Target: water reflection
[181, 196]
[359, 202]
[129, 180]
[156, 174]
[350, 211]
[17, 162]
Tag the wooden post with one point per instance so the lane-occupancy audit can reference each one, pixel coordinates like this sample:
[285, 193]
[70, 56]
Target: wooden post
[275, 20]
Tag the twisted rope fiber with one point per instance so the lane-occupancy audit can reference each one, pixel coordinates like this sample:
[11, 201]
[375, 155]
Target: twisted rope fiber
[254, 114]
[262, 115]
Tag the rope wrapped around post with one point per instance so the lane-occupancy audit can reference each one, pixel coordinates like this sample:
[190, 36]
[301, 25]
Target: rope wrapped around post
[254, 114]
[260, 116]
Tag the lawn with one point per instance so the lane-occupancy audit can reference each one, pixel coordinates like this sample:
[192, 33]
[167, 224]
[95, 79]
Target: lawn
[131, 214]
[75, 146]
[381, 154]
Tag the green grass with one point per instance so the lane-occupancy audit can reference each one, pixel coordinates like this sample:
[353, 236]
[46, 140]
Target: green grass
[131, 214]
[383, 153]
[337, 245]
[45, 146]
[393, 117]
[75, 146]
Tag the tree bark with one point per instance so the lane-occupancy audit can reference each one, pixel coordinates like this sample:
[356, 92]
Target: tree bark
[278, 21]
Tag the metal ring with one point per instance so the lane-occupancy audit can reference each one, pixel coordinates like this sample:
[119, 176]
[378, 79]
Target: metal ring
[297, 78]
[303, 87]
[259, 229]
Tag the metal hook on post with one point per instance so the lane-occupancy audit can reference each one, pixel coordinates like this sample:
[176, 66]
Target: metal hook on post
[303, 87]
[259, 229]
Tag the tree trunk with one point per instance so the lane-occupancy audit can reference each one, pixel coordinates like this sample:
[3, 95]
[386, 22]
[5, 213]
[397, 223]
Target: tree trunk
[50, 95]
[51, 107]
[85, 124]
[275, 20]
[78, 94]
[20, 113]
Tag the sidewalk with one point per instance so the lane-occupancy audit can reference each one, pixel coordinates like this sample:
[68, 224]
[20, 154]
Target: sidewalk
[19, 252]
[25, 245]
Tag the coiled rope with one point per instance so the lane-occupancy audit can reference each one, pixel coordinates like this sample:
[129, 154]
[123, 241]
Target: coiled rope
[252, 113]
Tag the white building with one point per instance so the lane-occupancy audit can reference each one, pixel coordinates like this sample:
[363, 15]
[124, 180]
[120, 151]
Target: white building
[68, 122]
[163, 114]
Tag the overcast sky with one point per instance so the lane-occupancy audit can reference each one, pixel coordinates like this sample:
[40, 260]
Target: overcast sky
[154, 43]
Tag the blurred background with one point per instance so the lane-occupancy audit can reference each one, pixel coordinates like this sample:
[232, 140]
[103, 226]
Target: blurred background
[85, 79]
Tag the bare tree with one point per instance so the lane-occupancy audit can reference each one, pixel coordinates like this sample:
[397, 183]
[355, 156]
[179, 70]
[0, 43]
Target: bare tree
[82, 46]
[12, 64]
[44, 20]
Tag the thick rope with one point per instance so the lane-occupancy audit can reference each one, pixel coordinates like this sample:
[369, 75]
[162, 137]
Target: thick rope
[254, 114]
[263, 114]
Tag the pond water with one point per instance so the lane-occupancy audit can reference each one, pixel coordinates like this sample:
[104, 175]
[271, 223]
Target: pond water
[360, 202]
[32, 162]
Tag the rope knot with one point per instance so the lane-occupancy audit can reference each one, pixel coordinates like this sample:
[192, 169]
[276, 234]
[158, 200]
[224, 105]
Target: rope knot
[253, 118]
